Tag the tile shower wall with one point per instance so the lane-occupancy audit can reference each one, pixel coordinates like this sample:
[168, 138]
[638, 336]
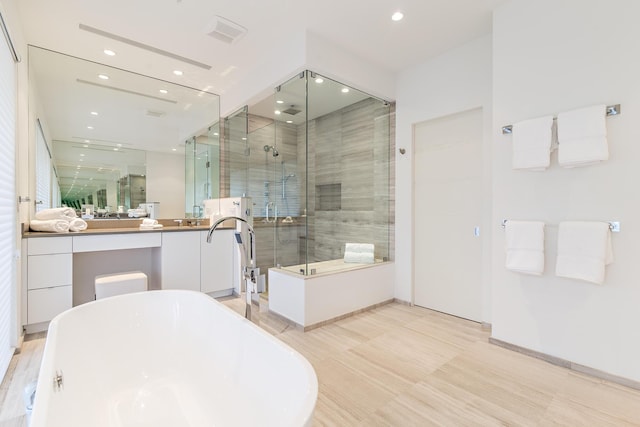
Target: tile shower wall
[350, 153]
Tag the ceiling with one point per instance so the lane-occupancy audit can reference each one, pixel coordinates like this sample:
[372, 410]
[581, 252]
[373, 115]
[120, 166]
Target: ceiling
[83, 28]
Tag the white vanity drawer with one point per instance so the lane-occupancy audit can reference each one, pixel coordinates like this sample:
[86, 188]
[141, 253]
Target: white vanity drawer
[49, 245]
[45, 304]
[114, 242]
[44, 271]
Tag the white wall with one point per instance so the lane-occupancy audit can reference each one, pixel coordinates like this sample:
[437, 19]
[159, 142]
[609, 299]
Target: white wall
[165, 183]
[551, 56]
[333, 61]
[456, 81]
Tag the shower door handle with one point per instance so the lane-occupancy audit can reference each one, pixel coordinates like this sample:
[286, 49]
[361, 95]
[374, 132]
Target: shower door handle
[266, 219]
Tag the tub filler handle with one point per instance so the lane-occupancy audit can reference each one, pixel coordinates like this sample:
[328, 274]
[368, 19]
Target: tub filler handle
[248, 267]
[58, 381]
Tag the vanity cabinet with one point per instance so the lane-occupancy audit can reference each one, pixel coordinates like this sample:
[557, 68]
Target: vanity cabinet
[180, 266]
[217, 261]
[49, 278]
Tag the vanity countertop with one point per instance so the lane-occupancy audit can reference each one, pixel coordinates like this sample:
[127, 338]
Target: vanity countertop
[127, 226]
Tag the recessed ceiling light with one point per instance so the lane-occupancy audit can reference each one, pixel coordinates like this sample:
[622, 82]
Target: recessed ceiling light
[103, 76]
[82, 160]
[319, 80]
[115, 149]
[86, 146]
[177, 72]
[279, 101]
[289, 121]
[174, 149]
[216, 134]
[164, 91]
[345, 90]
[397, 16]
[244, 139]
[94, 113]
[109, 52]
[119, 145]
[81, 154]
[277, 112]
[89, 127]
[87, 140]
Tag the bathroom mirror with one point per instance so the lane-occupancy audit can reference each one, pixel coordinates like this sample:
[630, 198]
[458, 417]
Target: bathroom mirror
[107, 128]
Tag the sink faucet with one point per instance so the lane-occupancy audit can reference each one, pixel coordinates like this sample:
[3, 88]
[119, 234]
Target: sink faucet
[248, 272]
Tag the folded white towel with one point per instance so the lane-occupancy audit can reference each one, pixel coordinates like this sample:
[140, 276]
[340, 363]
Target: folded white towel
[136, 213]
[50, 225]
[358, 258]
[359, 247]
[150, 227]
[360, 253]
[77, 224]
[532, 142]
[584, 250]
[56, 213]
[524, 244]
[149, 221]
[582, 135]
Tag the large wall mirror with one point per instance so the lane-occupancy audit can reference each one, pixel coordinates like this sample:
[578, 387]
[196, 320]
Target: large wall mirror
[118, 139]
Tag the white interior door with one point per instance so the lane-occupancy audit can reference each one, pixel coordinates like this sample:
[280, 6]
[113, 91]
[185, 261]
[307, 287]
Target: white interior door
[447, 214]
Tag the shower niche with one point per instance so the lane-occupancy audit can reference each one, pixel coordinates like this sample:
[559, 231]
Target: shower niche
[316, 159]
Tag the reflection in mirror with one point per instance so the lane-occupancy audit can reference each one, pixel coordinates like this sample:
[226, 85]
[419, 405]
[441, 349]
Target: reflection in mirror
[116, 138]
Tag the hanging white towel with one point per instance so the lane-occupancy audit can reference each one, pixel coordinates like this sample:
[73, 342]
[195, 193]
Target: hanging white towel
[532, 144]
[584, 250]
[524, 244]
[56, 213]
[77, 224]
[50, 225]
[582, 135]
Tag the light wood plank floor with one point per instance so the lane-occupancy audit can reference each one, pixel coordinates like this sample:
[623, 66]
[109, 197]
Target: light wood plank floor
[407, 366]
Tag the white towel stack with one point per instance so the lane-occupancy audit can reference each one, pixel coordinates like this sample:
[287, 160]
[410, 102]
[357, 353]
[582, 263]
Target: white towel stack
[57, 220]
[149, 224]
[532, 144]
[584, 250]
[50, 225]
[77, 224]
[582, 135]
[56, 213]
[524, 244]
[136, 213]
[359, 253]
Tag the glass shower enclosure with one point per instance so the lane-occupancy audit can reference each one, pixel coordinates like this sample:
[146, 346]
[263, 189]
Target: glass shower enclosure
[315, 159]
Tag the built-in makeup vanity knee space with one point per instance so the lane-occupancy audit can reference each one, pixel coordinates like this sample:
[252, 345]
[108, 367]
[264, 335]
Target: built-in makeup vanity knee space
[58, 270]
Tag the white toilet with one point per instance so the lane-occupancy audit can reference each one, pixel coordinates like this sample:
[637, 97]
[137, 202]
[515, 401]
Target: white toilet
[108, 285]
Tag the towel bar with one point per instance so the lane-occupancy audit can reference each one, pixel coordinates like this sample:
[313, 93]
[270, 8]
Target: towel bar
[612, 110]
[614, 226]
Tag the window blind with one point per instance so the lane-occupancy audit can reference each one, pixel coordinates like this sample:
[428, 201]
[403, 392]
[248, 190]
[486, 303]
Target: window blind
[7, 202]
[44, 176]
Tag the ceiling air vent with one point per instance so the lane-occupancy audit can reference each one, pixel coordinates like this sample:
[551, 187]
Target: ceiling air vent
[226, 31]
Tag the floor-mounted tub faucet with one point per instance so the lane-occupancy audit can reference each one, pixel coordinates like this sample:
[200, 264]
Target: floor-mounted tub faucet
[248, 272]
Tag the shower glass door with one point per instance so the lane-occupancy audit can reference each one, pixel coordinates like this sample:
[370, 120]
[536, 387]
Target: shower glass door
[289, 172]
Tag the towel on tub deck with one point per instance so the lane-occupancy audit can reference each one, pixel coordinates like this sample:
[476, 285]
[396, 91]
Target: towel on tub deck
[361, 253]
[532, 144]
[56, 213]
[50, 225]
[524, 244]
[582, 135]
[584, 250]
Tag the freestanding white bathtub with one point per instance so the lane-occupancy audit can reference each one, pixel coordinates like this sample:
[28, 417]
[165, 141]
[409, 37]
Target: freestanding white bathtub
[168, 358]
